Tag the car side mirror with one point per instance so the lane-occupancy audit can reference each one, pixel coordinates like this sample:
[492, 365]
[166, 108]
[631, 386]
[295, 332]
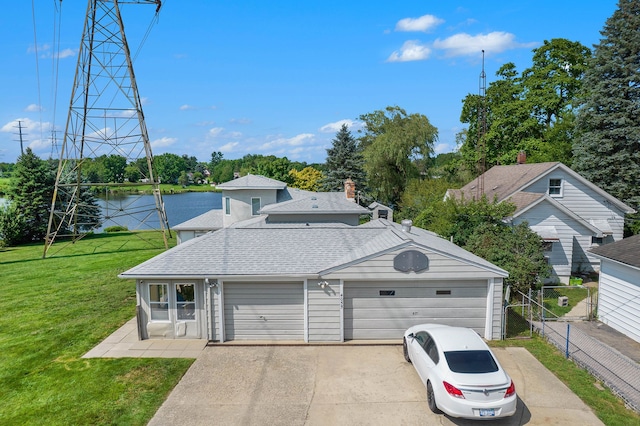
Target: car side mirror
[411, 335]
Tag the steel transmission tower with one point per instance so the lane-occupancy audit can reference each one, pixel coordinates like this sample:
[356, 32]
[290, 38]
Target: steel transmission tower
[105, 119]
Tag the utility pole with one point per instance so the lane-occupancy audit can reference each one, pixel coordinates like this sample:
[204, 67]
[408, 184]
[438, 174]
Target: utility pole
[105, 119]
[482, 130]
[20, 135]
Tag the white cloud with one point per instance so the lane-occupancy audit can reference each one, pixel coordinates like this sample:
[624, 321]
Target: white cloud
[228, 147]
[187, 107]
[442, 147]
[163, 142]
[297, 140]
[32, 108]
[337, 125]
[411, 50]
[66, 53]
[240, 121]
[216, 131]
[463, 44]
[424, 23]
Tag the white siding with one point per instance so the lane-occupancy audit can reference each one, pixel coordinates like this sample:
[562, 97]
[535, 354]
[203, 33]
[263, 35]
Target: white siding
[323, 310]
[440, 267]
[619, 298]
[370, 315]
[496, 311]
[263, 311]
[241, 203]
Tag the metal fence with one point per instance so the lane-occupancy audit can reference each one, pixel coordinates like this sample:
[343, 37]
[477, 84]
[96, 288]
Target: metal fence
[615, 370]
[537, 312]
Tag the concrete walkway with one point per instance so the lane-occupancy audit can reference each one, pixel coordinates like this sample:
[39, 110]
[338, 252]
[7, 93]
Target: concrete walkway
[124, 343]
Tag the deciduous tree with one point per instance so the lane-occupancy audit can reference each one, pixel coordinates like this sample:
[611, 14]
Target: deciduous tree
[395, 148]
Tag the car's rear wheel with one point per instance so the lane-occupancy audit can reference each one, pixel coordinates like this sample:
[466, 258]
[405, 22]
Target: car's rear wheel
[405, 351]
[431, 399]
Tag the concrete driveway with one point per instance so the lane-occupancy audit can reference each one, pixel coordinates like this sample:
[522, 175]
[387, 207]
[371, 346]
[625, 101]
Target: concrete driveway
[344, 385]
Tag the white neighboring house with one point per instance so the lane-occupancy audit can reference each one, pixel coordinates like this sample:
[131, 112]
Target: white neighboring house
[293, 265]
[619, 286]
[571, 214]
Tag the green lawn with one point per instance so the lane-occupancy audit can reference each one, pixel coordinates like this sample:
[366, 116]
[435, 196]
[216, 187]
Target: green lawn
[56, 309]
[609, 408]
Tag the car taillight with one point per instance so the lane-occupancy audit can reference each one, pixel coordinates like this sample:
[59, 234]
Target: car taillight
[511, 390]
[452, 390]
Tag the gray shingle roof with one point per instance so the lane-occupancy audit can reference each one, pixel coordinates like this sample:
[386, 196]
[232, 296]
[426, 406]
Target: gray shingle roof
[205, 222]
[625, 251]
[295, 251]
[252, 182]
[315, 203]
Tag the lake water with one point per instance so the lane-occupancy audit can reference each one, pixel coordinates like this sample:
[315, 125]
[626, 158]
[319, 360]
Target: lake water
[179, 208]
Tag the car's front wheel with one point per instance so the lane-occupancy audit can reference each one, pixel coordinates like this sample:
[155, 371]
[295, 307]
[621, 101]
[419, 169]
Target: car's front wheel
[405, 351]
[431, 399]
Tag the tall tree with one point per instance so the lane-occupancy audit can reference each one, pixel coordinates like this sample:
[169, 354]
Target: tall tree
[344, 161]
[31, 192]
[608, 145]
[308, 178]
[533, 111]
[396, 146]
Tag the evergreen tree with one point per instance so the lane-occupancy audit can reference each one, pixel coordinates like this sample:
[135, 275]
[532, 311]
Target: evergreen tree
[344, 161]
[31, 192]
[608, 145]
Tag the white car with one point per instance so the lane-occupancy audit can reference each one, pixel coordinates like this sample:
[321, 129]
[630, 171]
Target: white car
[462, 376]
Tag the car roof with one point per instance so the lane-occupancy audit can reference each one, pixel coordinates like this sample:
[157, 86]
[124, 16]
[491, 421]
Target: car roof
[456, 338]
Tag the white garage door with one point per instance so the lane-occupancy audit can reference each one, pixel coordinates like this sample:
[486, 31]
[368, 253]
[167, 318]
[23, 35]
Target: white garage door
[263, 311]
[384, 310]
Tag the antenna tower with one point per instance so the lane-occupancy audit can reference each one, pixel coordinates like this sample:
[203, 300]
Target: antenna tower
[482, 130]
[20, 135]
[105, 119]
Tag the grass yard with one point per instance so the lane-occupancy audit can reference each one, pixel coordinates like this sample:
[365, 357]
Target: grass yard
[609, 408]
[56, 309]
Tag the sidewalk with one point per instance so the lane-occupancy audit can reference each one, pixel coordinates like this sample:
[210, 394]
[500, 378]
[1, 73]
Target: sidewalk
[124, 343]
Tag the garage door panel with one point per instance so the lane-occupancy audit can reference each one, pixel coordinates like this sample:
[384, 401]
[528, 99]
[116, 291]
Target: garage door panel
[264, 311]
[370, 312]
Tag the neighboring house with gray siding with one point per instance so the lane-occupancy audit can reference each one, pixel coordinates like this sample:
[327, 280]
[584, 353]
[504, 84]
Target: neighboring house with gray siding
[619, 286]
[571, 214]
[323, 282]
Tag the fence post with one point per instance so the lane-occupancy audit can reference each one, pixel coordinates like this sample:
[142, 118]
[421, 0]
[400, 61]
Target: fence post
[567, 349]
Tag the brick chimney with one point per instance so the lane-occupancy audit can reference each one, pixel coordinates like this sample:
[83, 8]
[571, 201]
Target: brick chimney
[350, 190]
[522, 157]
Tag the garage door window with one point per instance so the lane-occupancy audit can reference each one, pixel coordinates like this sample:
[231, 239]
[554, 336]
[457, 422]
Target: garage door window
[159, 302]
[185, 302]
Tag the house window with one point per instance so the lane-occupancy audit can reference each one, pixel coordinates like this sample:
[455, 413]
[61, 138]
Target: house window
[597, 241]
[159, 302]
[227, 205]
[555, 187]
[185, 302]
[547, 245]
[255, 206]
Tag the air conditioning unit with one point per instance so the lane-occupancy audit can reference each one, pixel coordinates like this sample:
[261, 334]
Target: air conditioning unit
[563, 301]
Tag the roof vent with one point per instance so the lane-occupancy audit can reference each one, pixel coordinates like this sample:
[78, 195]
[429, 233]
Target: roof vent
[315, 206]
[406, 225]
[314, 198]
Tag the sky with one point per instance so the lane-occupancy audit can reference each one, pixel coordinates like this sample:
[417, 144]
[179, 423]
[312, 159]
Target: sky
[277, 78]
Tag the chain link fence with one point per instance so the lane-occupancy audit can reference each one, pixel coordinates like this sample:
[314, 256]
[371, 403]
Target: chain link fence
[549, 312]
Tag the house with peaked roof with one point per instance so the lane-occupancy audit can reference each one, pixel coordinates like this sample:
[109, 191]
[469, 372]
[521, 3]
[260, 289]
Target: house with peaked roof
[262, 199]
[571, 214]
[293, 265]
[619, 285]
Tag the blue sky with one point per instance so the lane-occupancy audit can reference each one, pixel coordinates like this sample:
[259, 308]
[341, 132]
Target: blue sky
[255, 77]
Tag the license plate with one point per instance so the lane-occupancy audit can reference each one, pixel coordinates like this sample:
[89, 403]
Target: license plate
[488, 412]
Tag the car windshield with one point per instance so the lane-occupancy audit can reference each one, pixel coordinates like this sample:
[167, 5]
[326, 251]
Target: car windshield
[471, 362]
